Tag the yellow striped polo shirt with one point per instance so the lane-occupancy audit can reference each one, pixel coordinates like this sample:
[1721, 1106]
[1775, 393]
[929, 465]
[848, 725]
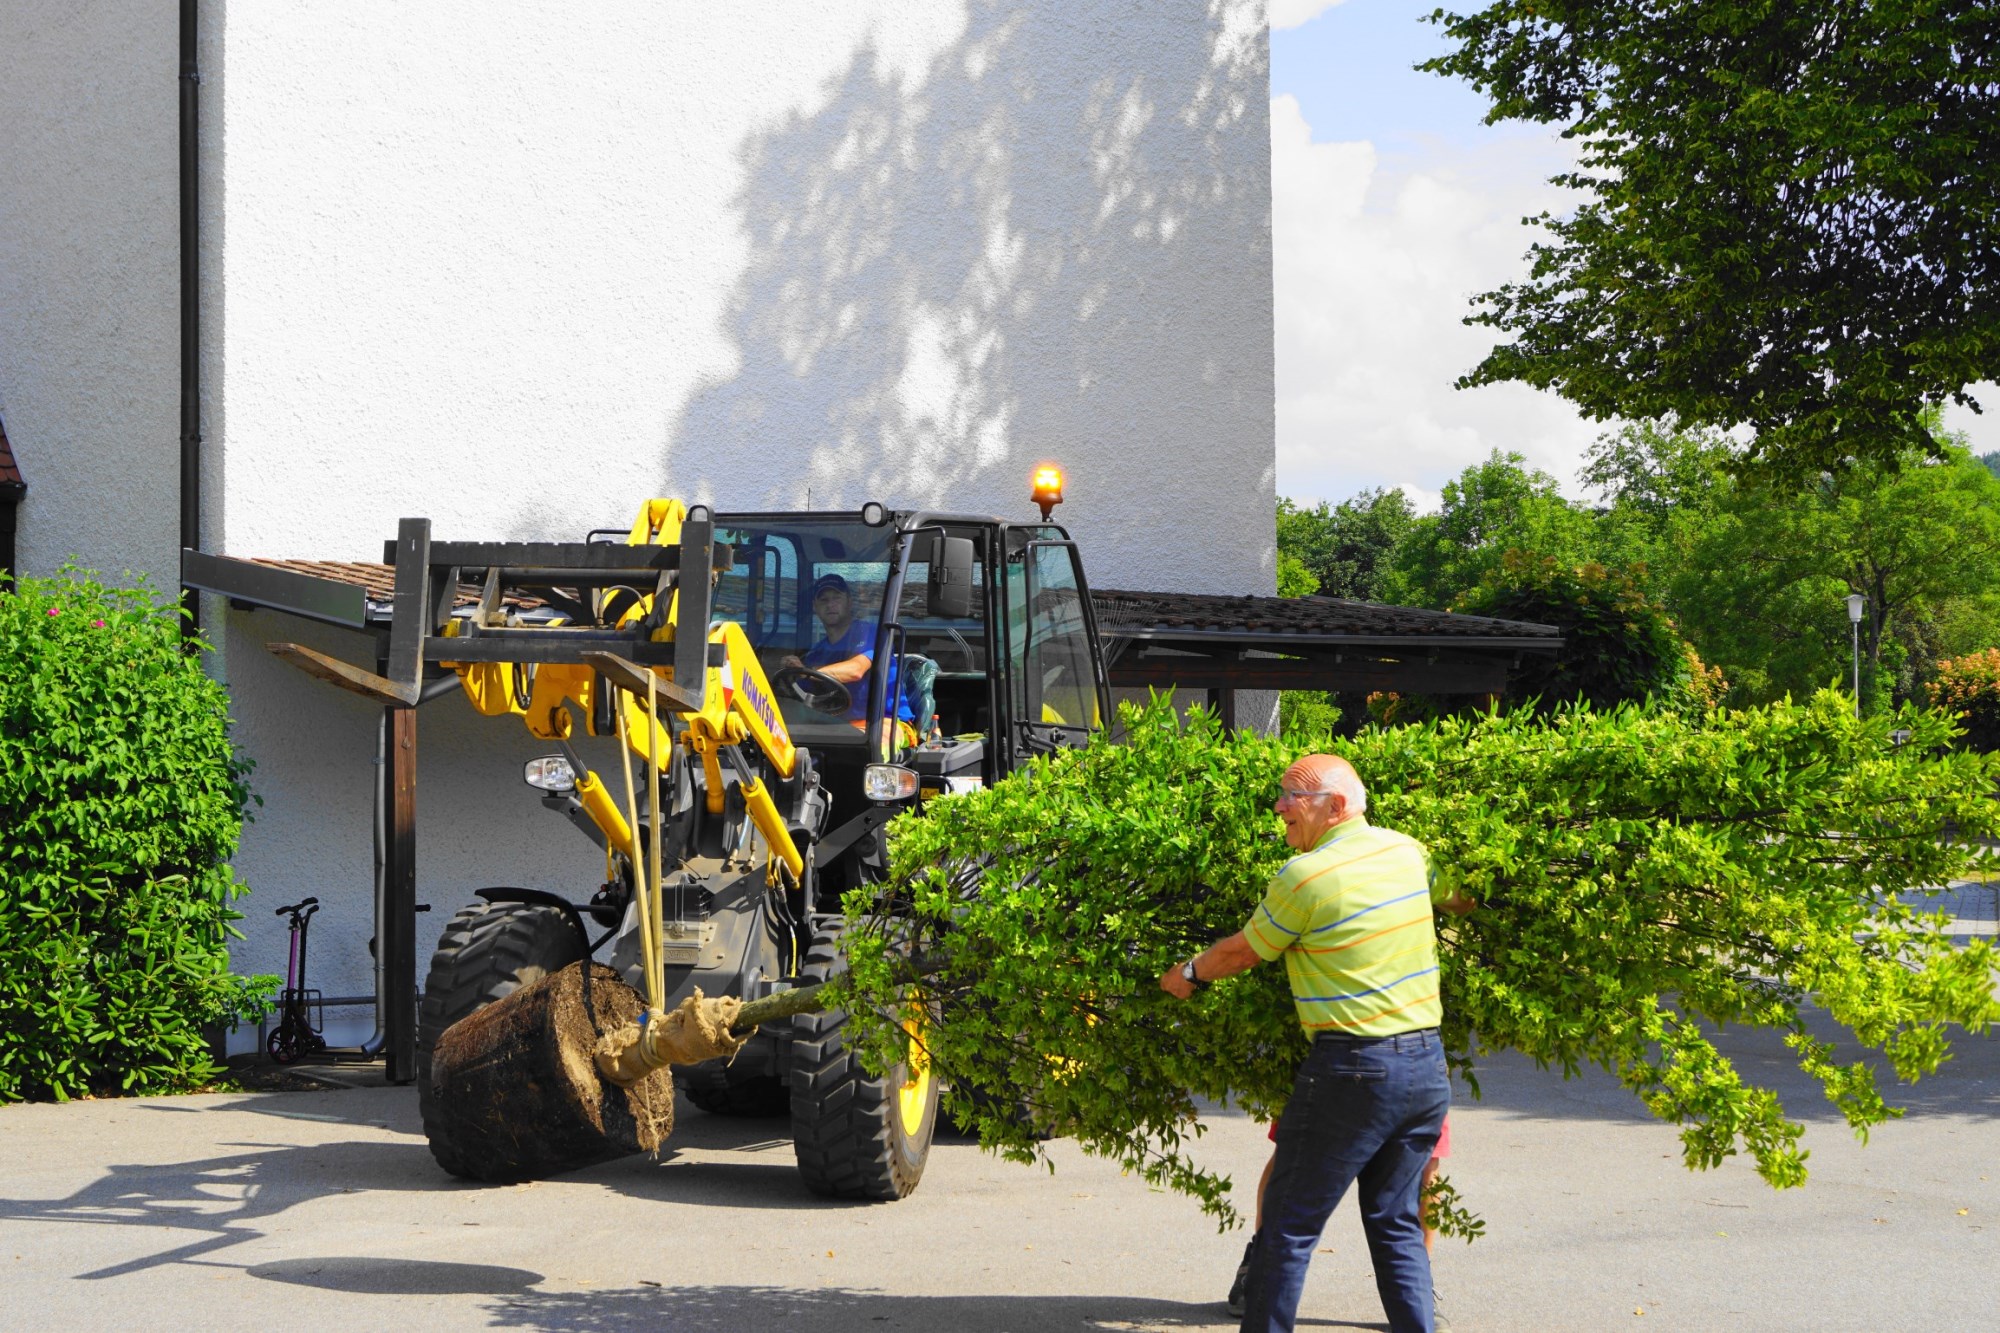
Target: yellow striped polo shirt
[1352, 918]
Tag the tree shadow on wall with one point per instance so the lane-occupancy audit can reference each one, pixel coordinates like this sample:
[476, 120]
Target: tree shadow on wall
[949, 281]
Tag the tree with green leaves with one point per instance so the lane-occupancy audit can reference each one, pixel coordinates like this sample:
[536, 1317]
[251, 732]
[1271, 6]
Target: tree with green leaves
[1343, 547]
[1655, 469]
[1491, 508]
[1786, 213]
[1642, 876]
[1761, 572]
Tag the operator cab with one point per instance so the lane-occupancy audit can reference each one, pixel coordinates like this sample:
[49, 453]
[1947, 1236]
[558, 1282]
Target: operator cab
[967, 645]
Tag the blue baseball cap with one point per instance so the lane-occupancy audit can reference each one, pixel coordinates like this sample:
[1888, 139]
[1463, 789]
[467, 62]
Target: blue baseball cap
[825, 581]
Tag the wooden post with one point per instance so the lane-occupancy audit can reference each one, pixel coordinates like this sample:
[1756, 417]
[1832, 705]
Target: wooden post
[397, 930]
[1223, 700]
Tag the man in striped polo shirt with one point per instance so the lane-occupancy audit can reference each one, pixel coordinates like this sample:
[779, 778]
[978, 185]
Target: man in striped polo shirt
[1351, 917]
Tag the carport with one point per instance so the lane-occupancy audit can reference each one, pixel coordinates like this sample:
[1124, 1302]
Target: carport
[1195, 641]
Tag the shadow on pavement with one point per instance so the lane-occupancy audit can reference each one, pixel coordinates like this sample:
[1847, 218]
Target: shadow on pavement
[837, 1310]
[384, 1108]
[226, 1196]
[398, 1277]
[1967, 1085]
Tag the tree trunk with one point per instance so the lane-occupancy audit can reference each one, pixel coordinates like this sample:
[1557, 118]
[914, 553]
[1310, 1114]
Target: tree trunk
[518, 1092]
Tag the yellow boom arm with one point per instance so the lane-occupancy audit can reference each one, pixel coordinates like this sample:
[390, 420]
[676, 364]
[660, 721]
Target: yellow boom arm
[737, 705]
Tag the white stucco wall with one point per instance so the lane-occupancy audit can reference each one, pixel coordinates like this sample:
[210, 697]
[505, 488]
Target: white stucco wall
[89, 282]
[517, 268]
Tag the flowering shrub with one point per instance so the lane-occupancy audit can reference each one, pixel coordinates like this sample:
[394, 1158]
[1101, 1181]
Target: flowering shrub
[120, 799]
[1969, 688]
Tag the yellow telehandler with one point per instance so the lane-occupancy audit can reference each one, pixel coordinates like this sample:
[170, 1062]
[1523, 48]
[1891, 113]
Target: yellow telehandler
[814, 674]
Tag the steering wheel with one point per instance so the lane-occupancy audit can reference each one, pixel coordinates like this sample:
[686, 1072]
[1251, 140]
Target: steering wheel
[815, 689]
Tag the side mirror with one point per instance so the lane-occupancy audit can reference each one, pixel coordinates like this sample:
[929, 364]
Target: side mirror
[951, 578]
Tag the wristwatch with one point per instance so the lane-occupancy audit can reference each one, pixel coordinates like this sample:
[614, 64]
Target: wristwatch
[1187, 971]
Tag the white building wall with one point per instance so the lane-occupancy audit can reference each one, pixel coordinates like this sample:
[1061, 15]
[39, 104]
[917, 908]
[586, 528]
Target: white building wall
[90, 282]
[516, 268]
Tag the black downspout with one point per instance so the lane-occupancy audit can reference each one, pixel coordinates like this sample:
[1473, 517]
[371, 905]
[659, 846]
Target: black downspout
[10, 497]
[190, 309]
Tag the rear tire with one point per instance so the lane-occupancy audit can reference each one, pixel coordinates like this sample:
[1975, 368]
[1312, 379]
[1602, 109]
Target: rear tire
[488, 951]
[857, 1136]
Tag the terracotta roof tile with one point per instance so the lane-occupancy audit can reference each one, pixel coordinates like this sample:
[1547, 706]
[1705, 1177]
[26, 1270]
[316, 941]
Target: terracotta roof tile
[10, 471]
[378, 581]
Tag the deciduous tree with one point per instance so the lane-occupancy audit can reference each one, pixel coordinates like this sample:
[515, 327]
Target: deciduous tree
[1345, 547]
[1786, 213]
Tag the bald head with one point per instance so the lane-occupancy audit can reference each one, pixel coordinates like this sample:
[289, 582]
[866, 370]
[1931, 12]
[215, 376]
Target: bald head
[1330, 773]
[1319, 791]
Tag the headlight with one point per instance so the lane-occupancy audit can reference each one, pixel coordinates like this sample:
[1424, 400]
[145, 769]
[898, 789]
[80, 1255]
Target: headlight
[549, 773]
[888, 782]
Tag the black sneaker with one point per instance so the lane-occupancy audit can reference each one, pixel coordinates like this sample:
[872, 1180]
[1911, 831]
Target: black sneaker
[1241, 1286]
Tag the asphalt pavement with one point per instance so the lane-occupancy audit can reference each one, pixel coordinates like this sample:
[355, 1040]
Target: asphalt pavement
[323, 1210]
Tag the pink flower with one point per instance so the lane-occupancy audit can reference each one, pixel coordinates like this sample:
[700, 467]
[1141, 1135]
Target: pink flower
[55, 610]
[97, 624]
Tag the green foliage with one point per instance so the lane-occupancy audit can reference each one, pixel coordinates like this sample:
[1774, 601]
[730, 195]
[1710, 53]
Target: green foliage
[1968, 688]
[1760, 573]
[1446, 1213]
[120, 799]
[1307, 717]
[1786, 215]
[1294, 579]
[1344, 547]
[1618, 644]
[1655, 469]
[1643, 877]
[1992, 462]
[1490, 509]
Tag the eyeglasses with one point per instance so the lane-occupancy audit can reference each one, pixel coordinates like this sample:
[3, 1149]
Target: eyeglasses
[1288, 794]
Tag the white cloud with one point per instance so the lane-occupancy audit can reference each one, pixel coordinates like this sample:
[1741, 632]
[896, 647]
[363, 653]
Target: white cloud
[1981, 429]
[1375, 264]
[1296, 13]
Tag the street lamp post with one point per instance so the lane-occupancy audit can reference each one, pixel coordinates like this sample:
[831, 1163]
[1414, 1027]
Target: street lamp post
[1855, 601]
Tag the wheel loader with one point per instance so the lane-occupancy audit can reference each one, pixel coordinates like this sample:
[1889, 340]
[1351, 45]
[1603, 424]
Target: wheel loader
[788, 729]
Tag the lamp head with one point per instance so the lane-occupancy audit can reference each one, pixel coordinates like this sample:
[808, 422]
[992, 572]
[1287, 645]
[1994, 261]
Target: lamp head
[1855, 601]
[1047, 487]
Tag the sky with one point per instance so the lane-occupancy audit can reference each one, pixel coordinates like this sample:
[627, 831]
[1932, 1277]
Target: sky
[1393, 206]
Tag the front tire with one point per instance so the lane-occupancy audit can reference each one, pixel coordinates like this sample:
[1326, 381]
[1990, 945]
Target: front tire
[487, 952]
[857, 1136]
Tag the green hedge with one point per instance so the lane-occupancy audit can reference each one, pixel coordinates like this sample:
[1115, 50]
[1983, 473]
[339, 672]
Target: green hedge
[120, 802]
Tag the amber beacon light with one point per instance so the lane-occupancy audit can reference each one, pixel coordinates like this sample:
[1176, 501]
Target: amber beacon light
[1048, 484]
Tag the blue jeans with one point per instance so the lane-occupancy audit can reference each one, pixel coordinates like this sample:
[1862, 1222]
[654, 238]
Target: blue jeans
[1363, 1109]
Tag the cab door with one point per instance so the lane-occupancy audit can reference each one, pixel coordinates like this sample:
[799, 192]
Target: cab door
[1056, 690]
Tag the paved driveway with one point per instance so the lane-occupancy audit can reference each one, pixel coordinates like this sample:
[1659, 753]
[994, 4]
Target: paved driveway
[322, 1210]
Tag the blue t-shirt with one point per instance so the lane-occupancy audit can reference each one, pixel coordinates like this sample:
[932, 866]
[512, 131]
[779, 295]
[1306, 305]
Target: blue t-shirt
[858, 640]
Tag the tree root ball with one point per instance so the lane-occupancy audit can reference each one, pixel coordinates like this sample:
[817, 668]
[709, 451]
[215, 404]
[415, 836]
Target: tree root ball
[519, 1095]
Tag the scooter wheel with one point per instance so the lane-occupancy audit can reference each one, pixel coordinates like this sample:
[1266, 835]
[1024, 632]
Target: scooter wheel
[281, 1047]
